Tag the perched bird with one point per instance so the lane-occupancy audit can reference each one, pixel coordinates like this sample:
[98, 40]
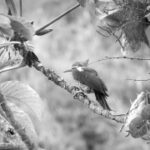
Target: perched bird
[16, 28]
[89, 77]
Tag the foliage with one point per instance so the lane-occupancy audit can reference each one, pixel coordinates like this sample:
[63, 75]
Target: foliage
[68, 119]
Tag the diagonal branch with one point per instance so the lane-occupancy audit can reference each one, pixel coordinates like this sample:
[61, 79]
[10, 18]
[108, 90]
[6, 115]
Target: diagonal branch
[77, 93]
[74, 90]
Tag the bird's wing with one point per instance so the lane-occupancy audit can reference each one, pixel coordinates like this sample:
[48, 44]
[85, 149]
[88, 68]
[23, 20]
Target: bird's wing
[91, 79]
[90, 70]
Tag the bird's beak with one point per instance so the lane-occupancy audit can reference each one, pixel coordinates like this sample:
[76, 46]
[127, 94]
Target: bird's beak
[69, 70]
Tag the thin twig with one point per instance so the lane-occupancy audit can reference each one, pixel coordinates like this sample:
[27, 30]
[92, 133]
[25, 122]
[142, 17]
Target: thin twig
[57, 18]
[120, 57]
[137, 80]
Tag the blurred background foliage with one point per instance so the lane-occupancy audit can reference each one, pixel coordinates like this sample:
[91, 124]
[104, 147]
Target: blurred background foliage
[68, 124]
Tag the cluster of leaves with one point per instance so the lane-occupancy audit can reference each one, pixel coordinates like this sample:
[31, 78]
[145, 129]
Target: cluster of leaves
[126, 20]
[24, 103]
[138, 119]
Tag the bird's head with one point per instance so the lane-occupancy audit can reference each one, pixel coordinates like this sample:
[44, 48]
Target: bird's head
[79, 66]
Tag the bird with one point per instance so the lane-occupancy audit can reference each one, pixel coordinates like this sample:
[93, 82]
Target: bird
[16, 28]
[89, 77]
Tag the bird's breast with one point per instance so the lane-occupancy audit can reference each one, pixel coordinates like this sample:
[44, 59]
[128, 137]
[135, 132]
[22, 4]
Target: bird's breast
[79, 76]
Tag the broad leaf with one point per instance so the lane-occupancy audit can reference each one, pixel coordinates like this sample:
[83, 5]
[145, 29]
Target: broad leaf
[25, 98]
[9, 57]
[26, 123]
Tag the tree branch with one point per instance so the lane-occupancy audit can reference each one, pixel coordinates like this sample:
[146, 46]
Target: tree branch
[120, 57]
[139, 80]
[77, 93]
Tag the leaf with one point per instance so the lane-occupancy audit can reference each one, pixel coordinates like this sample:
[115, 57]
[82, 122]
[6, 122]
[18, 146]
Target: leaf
[43, 32]
[9, 57]
[25, 98]
[11, 7]
[128, 17]
[25, 122]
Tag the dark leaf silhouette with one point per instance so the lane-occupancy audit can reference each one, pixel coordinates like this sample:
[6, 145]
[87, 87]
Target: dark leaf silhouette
[128, 17]
[43, 32]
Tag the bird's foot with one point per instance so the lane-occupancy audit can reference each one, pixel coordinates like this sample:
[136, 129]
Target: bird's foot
[85, 89]
[77, 92]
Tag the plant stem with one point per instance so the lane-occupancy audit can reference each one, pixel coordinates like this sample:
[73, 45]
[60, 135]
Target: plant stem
[20, 3]
[57, 18]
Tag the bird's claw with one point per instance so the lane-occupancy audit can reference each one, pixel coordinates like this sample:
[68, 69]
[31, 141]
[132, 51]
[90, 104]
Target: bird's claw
[75, 88]
[88, 90]
[77, 92]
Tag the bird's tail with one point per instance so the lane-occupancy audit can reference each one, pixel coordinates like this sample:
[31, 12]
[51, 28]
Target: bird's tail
[101, 98]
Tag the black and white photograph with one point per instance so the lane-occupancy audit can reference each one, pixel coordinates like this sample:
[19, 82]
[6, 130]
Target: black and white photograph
[74, 74]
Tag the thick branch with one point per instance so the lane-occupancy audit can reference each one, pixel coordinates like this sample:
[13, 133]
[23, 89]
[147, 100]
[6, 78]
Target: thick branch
[77, 93]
